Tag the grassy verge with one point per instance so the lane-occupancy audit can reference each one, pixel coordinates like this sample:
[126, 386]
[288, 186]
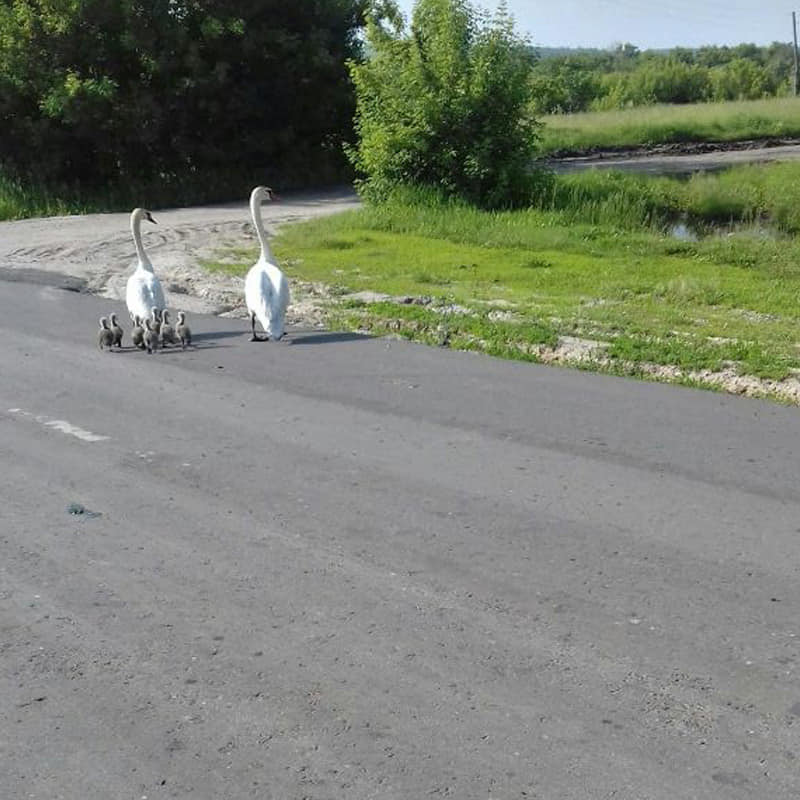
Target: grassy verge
[33, 198]
[18, 201]
[651, 125]
[38, 198]
[749, 194]
[620, 295]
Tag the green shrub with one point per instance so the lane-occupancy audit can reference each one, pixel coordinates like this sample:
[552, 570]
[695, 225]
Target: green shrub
[563, 86]
[445, 105]
[655, 81]
[741, 80]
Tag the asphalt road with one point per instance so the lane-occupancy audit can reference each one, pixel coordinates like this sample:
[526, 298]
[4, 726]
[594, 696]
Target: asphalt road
[340, 567]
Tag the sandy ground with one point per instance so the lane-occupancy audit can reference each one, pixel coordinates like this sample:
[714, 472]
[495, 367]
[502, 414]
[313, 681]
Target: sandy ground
[97, 250]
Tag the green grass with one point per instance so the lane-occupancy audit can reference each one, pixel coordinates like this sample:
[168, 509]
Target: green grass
[39, 197]
[18, 201]
[514, 283]
[650, 125]
[747, 194]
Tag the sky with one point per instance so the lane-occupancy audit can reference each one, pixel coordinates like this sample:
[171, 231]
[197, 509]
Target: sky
[648, 23]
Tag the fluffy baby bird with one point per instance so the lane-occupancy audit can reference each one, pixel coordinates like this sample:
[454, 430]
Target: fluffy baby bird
[150, 336]
[116, 329]
[183, 331]
[155, 318]
[167, 332]
[137, 333]
[105, 336]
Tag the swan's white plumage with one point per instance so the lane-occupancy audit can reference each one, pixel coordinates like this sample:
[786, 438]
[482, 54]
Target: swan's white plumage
[143, 291]
[266, 289]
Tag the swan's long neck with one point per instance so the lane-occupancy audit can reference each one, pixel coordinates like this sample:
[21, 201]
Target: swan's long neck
[136, 230]
[255, 211]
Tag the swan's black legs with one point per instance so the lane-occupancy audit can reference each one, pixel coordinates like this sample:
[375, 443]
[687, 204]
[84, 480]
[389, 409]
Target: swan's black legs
[254, 337]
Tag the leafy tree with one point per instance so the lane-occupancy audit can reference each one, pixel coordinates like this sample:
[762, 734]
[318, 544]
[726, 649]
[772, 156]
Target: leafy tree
[779, 62]
[94, 91]
[626, 55]
[683, 54]
[741, 79]
[713, 55]
[444, 105]
[563, 86]
[627, 77]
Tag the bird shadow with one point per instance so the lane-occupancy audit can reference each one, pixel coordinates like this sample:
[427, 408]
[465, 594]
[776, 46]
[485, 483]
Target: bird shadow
[291, 337]
[327, 338]
[211, 335]
[192, 347]
[175, 349]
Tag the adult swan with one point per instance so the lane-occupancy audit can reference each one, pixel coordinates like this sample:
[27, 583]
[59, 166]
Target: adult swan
[144, 290]
[266, 290]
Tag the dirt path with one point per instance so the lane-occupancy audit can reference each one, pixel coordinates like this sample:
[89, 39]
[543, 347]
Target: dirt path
[97, 250]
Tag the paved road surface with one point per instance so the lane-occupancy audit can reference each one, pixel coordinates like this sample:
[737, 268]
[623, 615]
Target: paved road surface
[357, 568]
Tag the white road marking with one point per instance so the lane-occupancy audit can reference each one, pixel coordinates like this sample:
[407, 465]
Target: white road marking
[62, 425]
[73, 430]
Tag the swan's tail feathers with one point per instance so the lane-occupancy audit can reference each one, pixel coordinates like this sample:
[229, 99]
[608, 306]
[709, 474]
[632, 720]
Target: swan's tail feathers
[263, 309]
[279, 306]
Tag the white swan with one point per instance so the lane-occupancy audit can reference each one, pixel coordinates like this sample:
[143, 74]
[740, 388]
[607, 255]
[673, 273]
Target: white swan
[144, 292]
[266, 290]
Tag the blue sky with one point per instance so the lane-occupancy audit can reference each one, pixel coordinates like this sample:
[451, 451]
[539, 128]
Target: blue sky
[648, 23]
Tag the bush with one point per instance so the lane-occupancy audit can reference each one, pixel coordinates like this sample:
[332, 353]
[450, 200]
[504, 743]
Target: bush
[445, 106]
[742, 80]
[655, 81]
[563, 87]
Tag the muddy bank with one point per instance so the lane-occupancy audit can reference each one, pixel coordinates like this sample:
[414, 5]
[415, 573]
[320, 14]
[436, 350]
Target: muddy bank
[677, 158]
[676, 148]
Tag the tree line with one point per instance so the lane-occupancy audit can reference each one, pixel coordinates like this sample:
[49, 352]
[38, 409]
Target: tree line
[625, 77]
[206, 93]
[198, 99]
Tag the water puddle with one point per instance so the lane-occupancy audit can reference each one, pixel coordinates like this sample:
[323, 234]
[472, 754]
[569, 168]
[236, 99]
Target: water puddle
[683, 232]
[686, 230]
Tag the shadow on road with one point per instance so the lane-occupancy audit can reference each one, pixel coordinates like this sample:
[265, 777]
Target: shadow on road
[327, 338]
[211, 335]
[292, 337]
[192, 347]
[129, 348]
[41, 277]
